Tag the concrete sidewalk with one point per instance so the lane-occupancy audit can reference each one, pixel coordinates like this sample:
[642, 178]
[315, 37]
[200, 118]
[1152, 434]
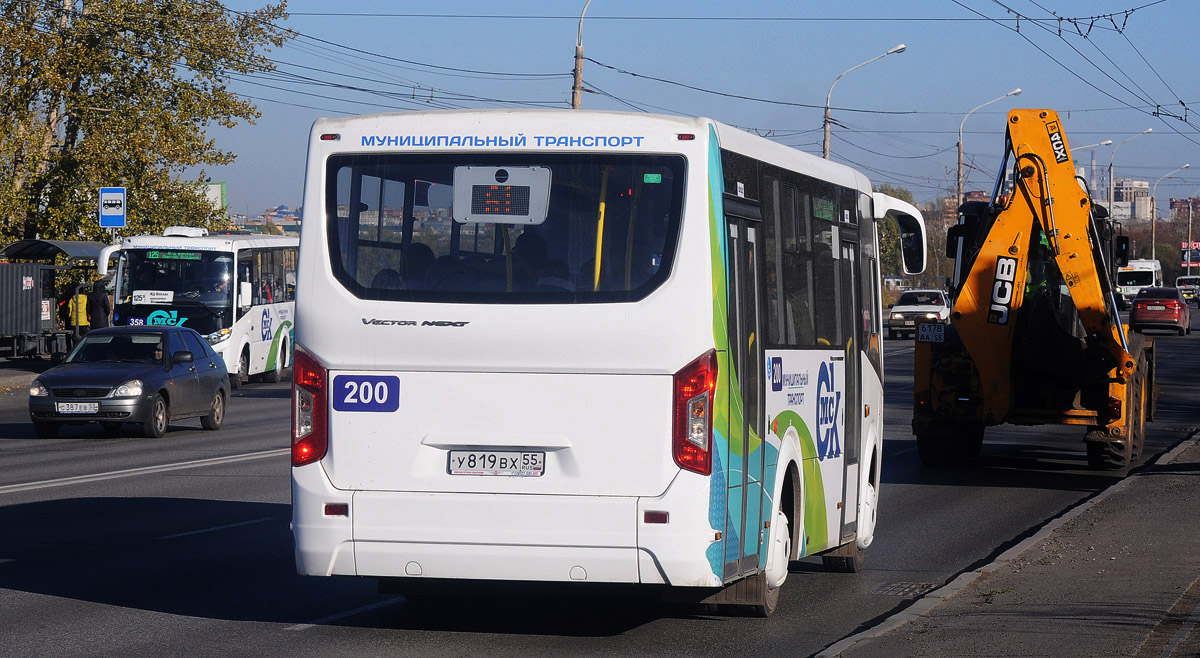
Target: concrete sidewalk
[1118, 575]
[20, 373]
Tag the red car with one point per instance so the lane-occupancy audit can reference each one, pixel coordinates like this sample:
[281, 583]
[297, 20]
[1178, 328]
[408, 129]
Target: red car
[1160, 308]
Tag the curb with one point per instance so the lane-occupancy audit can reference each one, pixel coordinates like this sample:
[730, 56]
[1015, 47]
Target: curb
[928, 602]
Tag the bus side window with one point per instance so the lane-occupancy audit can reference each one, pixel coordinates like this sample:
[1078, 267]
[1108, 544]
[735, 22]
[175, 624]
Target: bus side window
[797, 268]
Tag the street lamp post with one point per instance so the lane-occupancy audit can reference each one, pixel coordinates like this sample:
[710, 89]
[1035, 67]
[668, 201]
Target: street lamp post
[578, 88]
[1015, 92]
[1111, 182]
[1154, 205]
[1188, 258]
[898, 48]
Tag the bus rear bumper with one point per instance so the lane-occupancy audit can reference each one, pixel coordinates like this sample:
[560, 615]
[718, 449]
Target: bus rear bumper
[518, 537]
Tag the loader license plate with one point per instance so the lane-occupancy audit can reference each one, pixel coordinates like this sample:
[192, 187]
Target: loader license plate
[931, 332]
[497, 462]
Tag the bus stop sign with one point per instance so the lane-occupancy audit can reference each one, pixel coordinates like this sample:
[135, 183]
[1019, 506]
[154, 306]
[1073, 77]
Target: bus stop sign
[112, 207]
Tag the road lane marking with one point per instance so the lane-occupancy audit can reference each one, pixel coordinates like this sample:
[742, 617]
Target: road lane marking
[348, 613]
[220, 527]
[145, 470]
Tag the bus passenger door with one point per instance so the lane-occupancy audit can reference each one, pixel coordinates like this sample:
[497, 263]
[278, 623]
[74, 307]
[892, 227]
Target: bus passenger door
[853, 319]
[745, 513]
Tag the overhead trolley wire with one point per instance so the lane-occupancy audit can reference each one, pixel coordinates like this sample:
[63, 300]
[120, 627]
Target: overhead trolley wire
[1157, 113]
[741, 96]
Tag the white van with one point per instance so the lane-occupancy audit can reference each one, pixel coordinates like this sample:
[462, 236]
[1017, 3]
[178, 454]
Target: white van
[1137, 275]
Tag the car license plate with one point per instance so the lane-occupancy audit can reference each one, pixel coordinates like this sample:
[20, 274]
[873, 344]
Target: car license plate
[77, 407]
[910, 323]
[497, 462]
[1156, 308]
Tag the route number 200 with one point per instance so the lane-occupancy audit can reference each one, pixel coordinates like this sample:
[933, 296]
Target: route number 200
[366, 393]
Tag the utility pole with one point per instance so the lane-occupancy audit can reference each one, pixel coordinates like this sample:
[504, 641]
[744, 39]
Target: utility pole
[578, 88]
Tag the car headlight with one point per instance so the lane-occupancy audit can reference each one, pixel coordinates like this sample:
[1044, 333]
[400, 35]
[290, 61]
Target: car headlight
[897, 316]
[130, 389]
[931, 316]
[36, 390]
[218, 336]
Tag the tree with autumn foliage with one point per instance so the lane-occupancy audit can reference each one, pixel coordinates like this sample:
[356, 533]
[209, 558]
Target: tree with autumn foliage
[119, 93]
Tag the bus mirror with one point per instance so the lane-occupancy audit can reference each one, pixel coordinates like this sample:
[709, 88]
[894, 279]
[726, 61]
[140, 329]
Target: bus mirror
[245, 294]
[501, 195]
[912, 244]
[912, 229]
[1121, 257]
[954, 235]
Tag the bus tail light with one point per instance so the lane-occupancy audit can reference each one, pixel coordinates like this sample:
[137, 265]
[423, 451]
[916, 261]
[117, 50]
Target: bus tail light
[691, 431]
[310, 428]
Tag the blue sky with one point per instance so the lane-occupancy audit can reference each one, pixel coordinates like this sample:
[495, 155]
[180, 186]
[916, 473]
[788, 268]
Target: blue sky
[899, 115]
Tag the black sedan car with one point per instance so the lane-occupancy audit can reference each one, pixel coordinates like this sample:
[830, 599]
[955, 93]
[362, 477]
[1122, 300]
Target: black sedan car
[149, 375]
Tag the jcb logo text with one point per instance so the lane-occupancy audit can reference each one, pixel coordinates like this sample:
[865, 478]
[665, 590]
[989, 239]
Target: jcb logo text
[1002, 290]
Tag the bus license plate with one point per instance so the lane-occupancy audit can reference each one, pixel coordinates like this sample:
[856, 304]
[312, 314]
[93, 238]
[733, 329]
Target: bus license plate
[494, 462]
[77, 407]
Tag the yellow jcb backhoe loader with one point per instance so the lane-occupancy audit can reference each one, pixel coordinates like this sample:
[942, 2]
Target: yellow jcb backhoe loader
[1034, 336]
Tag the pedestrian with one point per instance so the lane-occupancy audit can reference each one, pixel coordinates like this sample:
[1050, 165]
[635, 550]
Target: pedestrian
[77, 312]
[99, 308]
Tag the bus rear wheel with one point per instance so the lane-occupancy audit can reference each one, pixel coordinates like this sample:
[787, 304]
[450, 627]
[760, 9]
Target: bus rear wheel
[275, 374]
[847, 559]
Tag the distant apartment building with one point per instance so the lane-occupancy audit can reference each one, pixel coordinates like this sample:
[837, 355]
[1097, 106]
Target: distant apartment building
[1131, 200]
[1182, 207]
[280, 216]
[215, 193]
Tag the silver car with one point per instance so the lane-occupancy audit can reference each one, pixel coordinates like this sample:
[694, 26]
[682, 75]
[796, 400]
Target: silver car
[148, 375]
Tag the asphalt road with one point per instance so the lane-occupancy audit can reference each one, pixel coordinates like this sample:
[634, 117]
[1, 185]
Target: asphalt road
[115, 545]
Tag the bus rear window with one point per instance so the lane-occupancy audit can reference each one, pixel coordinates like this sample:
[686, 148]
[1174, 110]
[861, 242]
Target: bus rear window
[574, 228]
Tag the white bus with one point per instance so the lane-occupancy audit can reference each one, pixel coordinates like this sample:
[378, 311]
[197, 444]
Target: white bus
[587, 347]
[237, 289]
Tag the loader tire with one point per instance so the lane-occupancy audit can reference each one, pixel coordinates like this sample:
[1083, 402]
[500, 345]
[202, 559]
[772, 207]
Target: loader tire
[1108, 455]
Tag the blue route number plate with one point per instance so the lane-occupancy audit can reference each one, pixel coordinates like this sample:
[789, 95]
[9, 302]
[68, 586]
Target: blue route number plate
[377, 393]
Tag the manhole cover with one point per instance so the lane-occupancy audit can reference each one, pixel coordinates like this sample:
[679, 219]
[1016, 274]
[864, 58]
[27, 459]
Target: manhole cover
[904, 589]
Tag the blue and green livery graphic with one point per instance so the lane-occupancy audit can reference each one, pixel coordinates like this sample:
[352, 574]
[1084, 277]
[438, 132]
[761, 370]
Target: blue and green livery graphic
[165, 318]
